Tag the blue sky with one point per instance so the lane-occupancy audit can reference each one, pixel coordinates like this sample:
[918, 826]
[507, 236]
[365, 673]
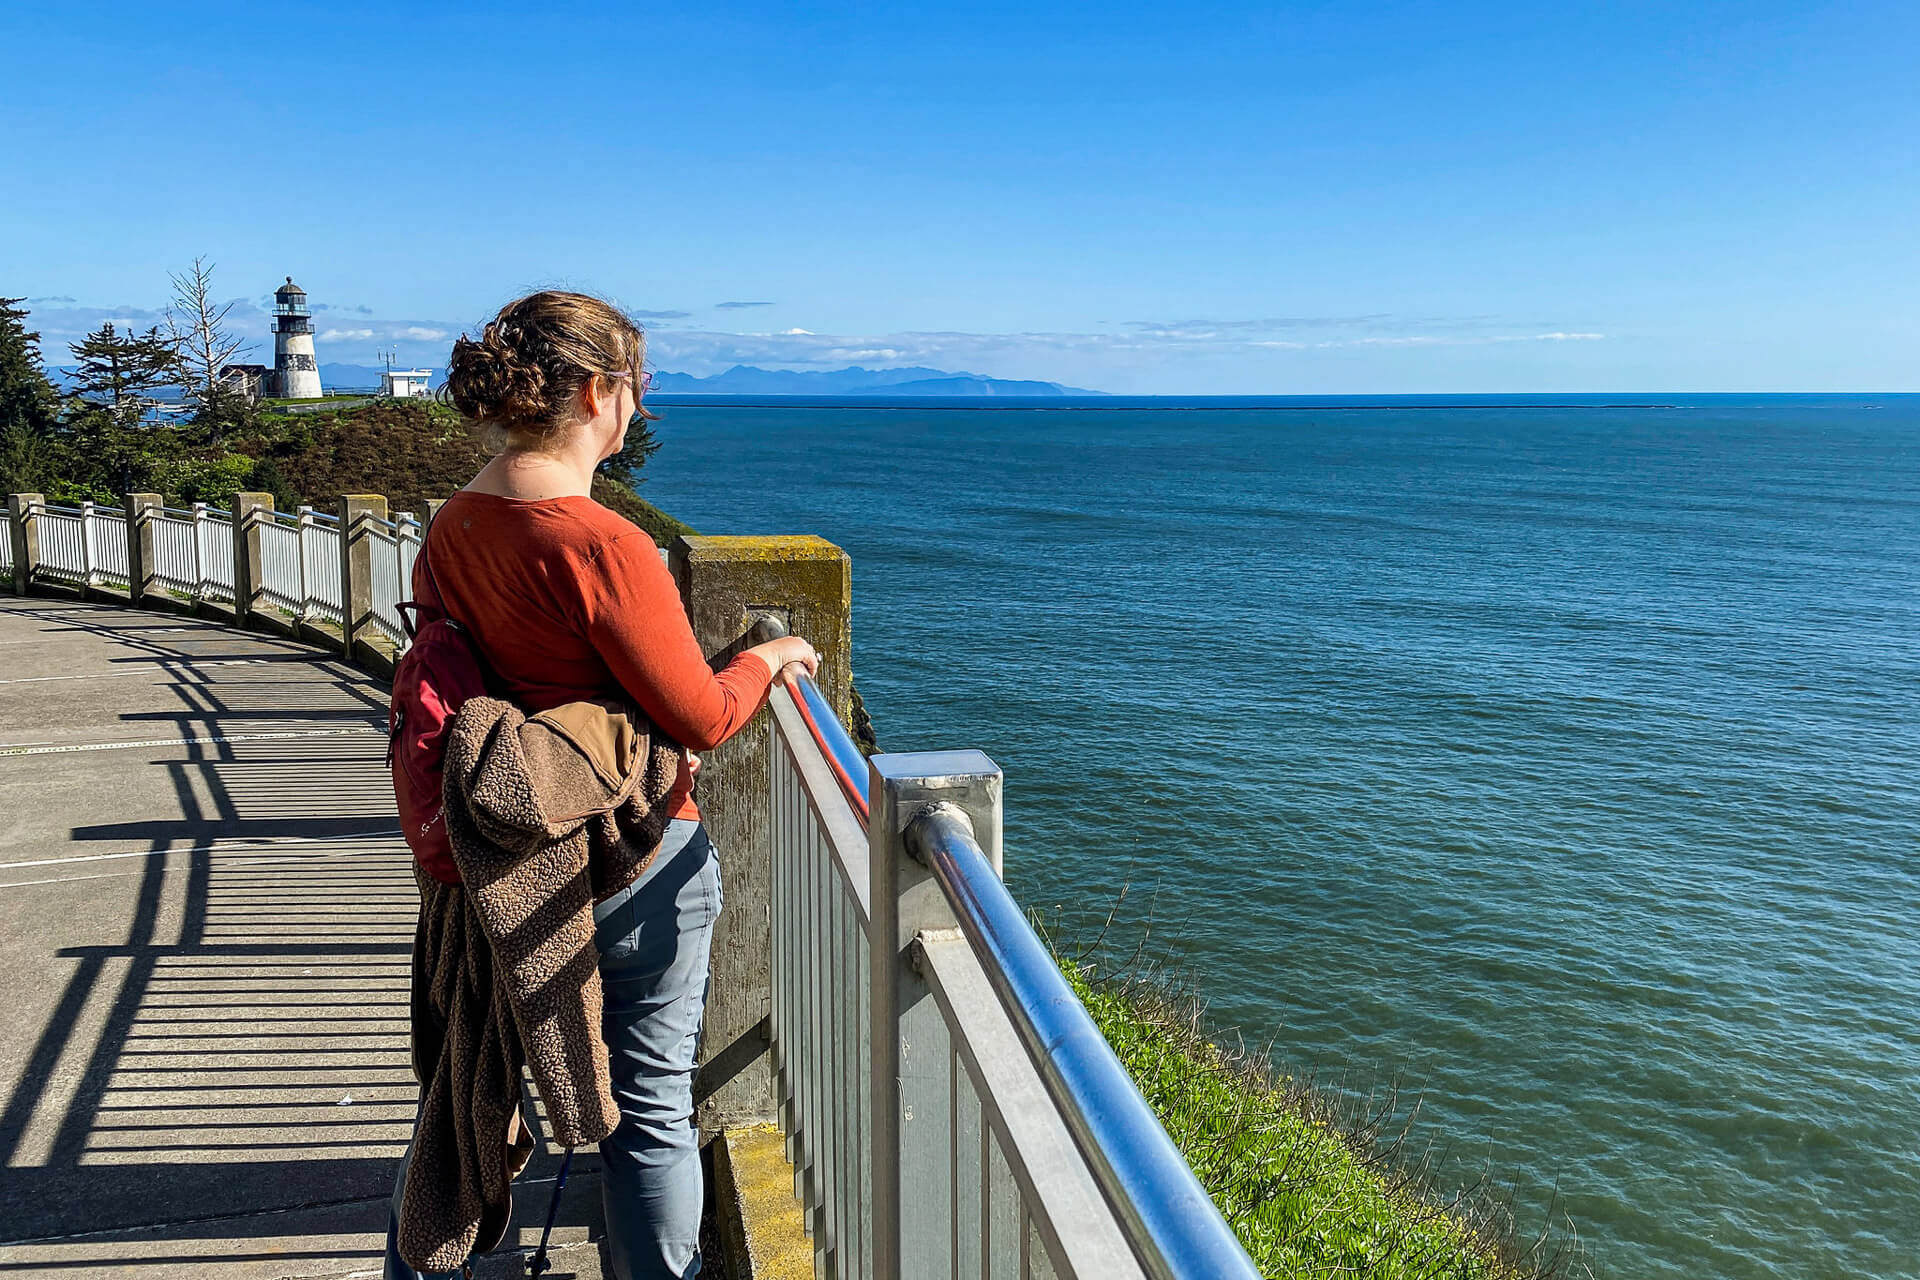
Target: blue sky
[1310, 198]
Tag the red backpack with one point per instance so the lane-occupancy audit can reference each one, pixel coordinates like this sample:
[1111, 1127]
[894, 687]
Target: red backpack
[440, 670]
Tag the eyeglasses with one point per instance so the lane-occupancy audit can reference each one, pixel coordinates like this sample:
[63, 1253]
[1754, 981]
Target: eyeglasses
[640, 413]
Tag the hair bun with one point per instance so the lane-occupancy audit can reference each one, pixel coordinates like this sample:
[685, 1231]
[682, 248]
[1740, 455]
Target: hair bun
[493, 381]
[519, 385]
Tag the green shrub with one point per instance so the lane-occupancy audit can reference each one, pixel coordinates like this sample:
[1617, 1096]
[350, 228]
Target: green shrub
[209, 477]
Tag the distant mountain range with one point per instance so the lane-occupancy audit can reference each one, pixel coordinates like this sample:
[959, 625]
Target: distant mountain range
[745, 380]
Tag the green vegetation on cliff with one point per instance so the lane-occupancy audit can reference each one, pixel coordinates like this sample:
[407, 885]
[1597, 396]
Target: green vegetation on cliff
[1308, 1186]
[408, 450]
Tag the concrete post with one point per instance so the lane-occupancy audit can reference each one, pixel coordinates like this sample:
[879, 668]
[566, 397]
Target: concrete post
[24, 529]
[725, 583]
[356, 567]
[909, 1085]
[248, 572]
[425, 510]
[142, 570]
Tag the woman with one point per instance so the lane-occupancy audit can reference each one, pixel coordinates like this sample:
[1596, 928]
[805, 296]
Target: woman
[567, 601]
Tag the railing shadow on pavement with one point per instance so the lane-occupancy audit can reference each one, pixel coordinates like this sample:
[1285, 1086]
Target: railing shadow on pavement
[241, 1051]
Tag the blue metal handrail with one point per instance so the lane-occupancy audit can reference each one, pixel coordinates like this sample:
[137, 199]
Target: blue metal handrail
[1172, 1222]
[848, 763]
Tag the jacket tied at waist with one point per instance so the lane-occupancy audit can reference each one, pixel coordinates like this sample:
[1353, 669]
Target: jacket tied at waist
[547, 814]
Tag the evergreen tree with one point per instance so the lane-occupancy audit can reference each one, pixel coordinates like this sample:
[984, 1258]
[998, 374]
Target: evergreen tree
[112, 452]
[625, 466]
[28, 403]
[117, 370]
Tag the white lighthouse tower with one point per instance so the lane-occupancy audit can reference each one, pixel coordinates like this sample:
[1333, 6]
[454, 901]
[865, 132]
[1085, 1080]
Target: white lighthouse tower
[295, 374]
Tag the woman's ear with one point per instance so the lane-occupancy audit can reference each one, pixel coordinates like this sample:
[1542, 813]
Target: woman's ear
[593, 398]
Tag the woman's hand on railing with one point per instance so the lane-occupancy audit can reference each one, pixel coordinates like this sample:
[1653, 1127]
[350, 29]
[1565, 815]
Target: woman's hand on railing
[788, 656]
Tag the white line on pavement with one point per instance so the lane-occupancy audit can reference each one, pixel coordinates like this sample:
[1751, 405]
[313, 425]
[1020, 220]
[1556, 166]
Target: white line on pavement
[187, 742]
[105, 875]
[218, 846]
[109, 675]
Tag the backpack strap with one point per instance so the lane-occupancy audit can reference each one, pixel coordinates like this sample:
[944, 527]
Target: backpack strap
[409, 609]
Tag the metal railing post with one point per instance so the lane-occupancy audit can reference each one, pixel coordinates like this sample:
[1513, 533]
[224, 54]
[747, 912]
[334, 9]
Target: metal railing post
[86, 546]
[199, 552]
[140, 552]
[302, 524]
[403, 523]
[356, 567]
[910, 1092]
[23, 528]
[249, 509]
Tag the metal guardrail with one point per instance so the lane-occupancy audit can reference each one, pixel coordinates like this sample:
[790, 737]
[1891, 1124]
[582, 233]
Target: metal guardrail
[83, 546]
[1174, 1226]
[393, 546]
[949, 1106]
[320, 563]
[293, 562]
[193, 551]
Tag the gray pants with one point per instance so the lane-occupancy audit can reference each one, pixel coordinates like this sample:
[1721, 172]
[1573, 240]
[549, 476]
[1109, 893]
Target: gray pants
[654, 939]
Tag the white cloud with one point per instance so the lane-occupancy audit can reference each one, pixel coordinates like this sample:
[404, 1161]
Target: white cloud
[1135, 352]
[1025, 354]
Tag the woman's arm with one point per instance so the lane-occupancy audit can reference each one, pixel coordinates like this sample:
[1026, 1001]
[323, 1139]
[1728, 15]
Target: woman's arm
[636, 623]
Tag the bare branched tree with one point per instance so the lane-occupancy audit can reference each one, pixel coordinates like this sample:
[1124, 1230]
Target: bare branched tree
[197, 328]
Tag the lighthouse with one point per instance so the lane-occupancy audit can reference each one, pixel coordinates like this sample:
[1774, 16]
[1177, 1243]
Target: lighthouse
[295, 375]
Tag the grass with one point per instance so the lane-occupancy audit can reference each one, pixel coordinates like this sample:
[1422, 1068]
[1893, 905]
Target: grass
[1315, 1183]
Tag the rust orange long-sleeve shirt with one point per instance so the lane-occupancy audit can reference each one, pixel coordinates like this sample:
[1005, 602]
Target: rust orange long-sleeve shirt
[567, 600]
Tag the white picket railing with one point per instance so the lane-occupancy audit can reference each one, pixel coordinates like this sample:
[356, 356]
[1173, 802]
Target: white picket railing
[193, 551]
[300, 563]
[106, 543]
[282, 567]
[191, 556]
[320, 558]
[63, 537]
[392, 546]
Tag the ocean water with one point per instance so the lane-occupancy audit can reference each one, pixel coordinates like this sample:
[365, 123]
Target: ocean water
[1554, 758]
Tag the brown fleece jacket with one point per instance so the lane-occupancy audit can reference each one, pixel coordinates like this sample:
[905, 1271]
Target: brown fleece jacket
[547, 815]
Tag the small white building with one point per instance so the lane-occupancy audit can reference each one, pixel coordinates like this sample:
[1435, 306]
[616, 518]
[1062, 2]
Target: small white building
[414, 384]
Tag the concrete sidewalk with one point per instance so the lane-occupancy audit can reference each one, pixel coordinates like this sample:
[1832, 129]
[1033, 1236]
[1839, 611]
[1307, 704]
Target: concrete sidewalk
[205, 922]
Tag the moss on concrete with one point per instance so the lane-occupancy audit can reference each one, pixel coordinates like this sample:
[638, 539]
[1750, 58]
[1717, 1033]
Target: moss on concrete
[762, 1226]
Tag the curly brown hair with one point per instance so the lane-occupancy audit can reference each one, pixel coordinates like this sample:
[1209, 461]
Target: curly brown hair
[517, 384]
